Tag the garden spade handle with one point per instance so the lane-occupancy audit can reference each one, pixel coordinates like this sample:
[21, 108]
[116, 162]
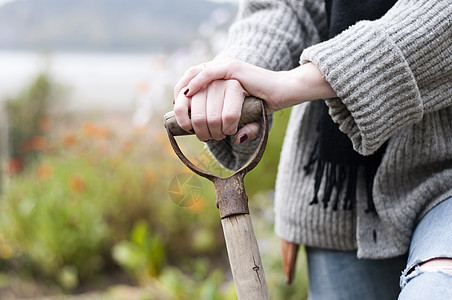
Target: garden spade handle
[232, 202]
[251, 111]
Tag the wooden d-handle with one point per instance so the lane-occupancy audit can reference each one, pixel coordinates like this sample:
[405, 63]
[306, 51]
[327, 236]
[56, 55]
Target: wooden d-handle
[251, 111]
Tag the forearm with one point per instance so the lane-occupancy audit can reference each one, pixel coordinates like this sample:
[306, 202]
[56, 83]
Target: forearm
[304, 83]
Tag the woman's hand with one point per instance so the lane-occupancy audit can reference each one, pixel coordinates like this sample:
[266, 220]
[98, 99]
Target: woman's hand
[214, 93]
[214, 110]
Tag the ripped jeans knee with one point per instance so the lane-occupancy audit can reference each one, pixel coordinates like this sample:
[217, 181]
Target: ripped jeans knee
[438, 264]
[428, 274]
[426, 282]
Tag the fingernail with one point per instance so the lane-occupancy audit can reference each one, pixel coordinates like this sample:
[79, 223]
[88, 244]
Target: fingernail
[174, 101]
[186, 91]
[207, 141]
[191, 130]
[243, 139]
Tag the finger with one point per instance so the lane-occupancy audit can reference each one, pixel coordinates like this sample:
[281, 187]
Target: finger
[214, 108]
[233, 102]
[247, 133]
[198, 115]
[210, 73]
[185, 79]
[181, 112]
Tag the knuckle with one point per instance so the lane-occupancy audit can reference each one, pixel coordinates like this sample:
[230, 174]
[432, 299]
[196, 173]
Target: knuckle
[185, 125]
[207, 72]
[217, 84]
[214, 118]
[230, 117]
[202, 137]
[179, 110]
[236, 87]
[234, 84]
[198, 119]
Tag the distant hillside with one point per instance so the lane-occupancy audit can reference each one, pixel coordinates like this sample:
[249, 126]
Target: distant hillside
[102, 25]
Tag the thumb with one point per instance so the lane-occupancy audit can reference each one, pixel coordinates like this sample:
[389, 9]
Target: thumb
[247, 133]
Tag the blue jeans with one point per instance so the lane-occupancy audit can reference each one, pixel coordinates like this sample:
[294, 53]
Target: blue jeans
[337, 275]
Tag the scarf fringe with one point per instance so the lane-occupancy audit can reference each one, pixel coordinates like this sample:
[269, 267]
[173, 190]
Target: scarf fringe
[338, 176]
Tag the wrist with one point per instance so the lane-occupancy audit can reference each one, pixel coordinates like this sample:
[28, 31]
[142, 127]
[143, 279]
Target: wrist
[304, 83]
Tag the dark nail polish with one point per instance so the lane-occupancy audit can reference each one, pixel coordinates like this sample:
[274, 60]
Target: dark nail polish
[186, 92]
[191, 130]
[174, 101]
[207, 141]
[243, 139]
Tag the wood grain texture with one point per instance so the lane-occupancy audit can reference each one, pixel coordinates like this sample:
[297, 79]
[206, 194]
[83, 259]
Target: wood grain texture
[244, 258]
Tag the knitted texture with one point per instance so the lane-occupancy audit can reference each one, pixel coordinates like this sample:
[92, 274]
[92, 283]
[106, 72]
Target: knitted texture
[393, 78]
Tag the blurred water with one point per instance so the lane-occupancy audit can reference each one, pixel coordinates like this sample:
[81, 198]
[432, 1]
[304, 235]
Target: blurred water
[95, 80]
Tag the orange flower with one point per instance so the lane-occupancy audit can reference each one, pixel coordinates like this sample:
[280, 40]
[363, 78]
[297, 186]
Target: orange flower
[127, 146]
[92, 130]
[102, 132]
[69, 140]
[45, 172]
[89, 129]
[15, 165]
[77, 183]
[44, 124]
[38, 143]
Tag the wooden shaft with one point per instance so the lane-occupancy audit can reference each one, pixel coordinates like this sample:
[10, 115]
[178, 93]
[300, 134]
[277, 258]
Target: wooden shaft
[244, 258]
[251, 111]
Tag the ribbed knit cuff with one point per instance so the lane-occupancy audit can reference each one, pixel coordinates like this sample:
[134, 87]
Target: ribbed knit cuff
[377, 91]
[422, 32]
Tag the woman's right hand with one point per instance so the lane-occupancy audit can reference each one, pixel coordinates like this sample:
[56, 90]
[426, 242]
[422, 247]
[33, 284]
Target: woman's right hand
[215, 112]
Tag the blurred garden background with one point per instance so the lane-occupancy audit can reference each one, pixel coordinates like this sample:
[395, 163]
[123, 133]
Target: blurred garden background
[93, 202]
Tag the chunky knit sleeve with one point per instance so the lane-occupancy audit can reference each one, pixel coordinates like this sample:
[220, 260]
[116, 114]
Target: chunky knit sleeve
[390, 72]
[270, 34]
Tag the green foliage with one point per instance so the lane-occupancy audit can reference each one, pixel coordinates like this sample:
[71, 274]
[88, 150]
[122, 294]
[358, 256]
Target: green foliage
[173, 284]
[97, 197]
[54, 229]
[143, 255]
[90, 186]
[27, 117]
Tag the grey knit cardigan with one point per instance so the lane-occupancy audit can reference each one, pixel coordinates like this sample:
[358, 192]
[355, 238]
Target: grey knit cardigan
[393, 78]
